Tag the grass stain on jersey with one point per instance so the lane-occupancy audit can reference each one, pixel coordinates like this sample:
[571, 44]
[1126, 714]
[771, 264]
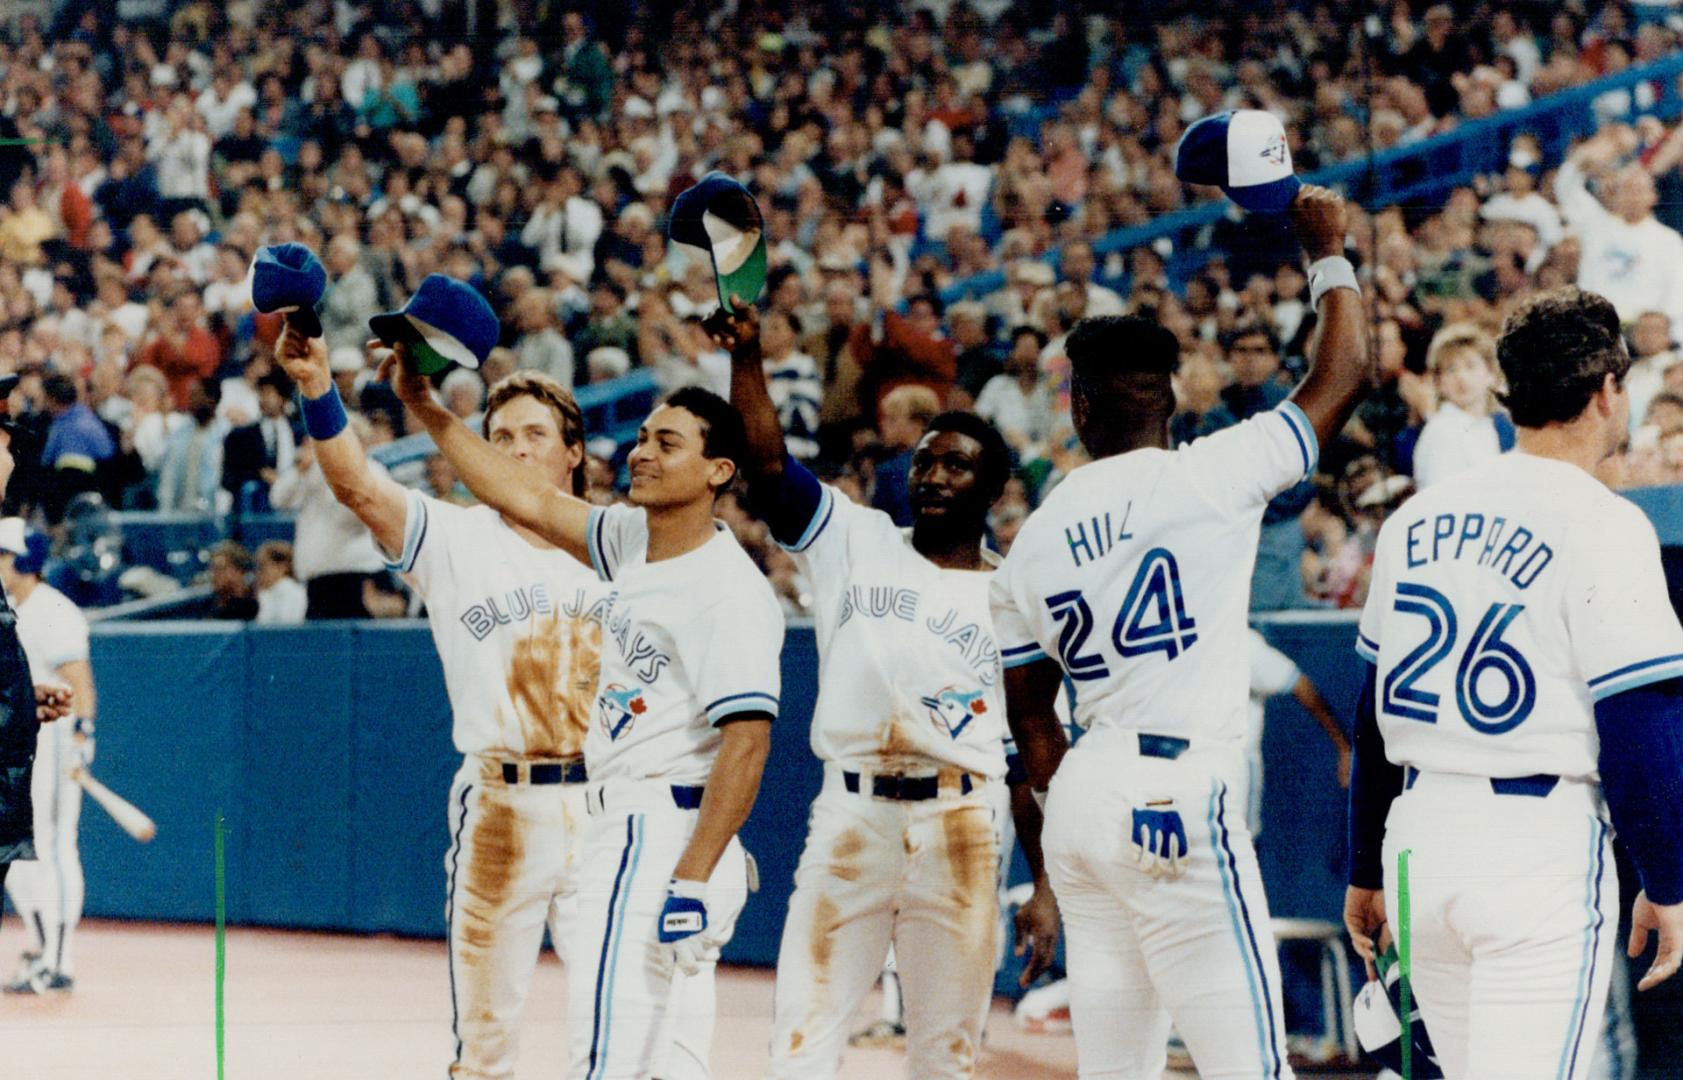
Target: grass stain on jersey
[554, 709]
[898, 744]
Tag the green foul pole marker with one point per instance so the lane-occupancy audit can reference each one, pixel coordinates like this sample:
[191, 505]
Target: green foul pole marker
[1407, 967]
[221, 929]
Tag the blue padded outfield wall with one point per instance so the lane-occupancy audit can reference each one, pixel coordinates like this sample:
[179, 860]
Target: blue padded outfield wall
[327, 750]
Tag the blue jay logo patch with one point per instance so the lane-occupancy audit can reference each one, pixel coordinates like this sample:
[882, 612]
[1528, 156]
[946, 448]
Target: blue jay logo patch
[952, 709]
[619, 708]
[1275, 152]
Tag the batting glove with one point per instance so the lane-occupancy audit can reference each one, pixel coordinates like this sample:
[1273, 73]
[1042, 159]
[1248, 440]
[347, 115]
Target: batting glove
[682, 921]
[1161, 839]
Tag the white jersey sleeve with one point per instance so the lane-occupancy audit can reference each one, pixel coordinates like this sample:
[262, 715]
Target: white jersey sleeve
[1272, 671]
[739, 671]
[614, 535]
[1618, 612]
[426, 551]
[1242, 467]
[1011, 626]
[59, 631]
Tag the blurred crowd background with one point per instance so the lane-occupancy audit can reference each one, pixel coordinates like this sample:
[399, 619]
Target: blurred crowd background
[938, 179]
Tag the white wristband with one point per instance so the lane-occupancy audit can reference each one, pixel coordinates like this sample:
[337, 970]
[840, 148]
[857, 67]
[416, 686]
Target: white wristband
[1332, 272]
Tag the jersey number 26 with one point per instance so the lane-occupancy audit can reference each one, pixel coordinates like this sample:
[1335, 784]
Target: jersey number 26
[1153, 619]
[1494, 687]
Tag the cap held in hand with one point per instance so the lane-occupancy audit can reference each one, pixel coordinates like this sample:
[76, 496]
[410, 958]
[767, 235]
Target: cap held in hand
[1244, 153]
[446, 322]
[719, 215]
[289, 279]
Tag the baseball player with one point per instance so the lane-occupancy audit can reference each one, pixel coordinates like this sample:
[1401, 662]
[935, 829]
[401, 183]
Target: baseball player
[1274, 673]
[680, 732]
[909, 723]
[48, 892]
[1133, 579]
[1523, 688]
[517, 624]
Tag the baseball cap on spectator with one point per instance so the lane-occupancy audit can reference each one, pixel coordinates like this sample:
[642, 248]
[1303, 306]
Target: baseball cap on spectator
[446, 321]
[1243, 152]
[29, 545]
[344, 359]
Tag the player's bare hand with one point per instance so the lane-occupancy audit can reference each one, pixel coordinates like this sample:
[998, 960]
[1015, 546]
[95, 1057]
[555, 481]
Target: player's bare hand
[1036, 927]
[304, 360]
[51, 703]
[1321, 221]
[394, 369]
[1364, 918]
[737, 332]
[1667, 919]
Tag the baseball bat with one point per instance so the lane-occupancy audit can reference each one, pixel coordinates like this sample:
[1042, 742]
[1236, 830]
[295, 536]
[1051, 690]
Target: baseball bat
[130, 817]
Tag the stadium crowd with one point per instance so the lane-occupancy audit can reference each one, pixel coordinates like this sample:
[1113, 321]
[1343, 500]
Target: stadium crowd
[533, 150]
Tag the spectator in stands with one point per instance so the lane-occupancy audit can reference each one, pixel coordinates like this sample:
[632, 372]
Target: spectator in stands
[181, 345]
[259, 448]
[901, 419]
[1652, 355]
[911, 349]
[444, 485]
[190, 474]
[346, 307]
[232, 596]
[281, 599]
[24, 226]
[1467, 428]
[792, 379]
[1076, 264]
[1626, 254]
[609, 325]
[541, 346]
[1018, 402]
[79, 448]
[333, 553]
[1198, 385]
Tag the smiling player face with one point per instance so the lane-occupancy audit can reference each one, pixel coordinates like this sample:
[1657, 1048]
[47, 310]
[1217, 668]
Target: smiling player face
[945, 481]
[668, 465]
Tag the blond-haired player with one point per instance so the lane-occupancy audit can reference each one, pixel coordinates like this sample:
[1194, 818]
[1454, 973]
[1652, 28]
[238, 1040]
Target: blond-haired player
[517, 623]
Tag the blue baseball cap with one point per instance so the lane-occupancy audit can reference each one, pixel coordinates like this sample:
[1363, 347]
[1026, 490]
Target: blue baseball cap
[719, 214]
[288, 278]
[446, 322]
[1244, 153]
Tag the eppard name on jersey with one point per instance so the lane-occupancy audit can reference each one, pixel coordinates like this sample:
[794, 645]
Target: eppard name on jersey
[522, 603]
[1508, 548]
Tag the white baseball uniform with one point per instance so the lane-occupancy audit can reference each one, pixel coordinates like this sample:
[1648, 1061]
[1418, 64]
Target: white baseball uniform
[691, 643]
[901, 843]
[1505, 602]
[1272, 673]
[48, 892]
[1135, 576]
[518, 631]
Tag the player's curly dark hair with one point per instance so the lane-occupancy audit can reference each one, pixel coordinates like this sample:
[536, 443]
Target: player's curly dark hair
[1556, 350]
[722, 431]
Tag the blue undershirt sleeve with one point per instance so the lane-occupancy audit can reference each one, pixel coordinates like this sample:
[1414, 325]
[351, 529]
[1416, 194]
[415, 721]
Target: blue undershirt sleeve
[788, 503]
[1642, 778]
[1374, 782]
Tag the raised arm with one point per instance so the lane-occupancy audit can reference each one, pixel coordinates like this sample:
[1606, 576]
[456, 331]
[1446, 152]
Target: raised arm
[1338, 361]
[519, 491]
[738, 333]
[376, 499]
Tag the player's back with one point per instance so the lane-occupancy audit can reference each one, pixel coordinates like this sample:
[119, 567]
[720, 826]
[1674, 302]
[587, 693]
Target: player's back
[1135, 575]
[1504, 602]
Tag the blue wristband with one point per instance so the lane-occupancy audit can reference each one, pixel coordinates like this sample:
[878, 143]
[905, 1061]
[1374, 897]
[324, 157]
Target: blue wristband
[324, 417]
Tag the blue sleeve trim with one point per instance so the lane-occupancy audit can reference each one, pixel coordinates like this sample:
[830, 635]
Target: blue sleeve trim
[414, 532]
[1020, 655]
[593, 543]
[1641, 765]
[1632, 676]
[1366, 649]
[1304, 432]
[734, 704]
[817, 523]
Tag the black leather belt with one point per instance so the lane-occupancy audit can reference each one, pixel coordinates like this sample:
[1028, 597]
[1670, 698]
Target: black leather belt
[1162, 746]
[547, 772]
[905, 788]
[1538, 785]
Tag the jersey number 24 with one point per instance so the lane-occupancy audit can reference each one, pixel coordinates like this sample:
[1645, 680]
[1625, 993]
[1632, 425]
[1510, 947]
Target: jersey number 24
[1494, 687]
[1153, 619]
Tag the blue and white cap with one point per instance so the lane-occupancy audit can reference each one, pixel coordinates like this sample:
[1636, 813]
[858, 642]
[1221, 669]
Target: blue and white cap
[1244, 153]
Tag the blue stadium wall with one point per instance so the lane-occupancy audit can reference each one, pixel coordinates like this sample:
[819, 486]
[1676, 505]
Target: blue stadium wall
[326, 749]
